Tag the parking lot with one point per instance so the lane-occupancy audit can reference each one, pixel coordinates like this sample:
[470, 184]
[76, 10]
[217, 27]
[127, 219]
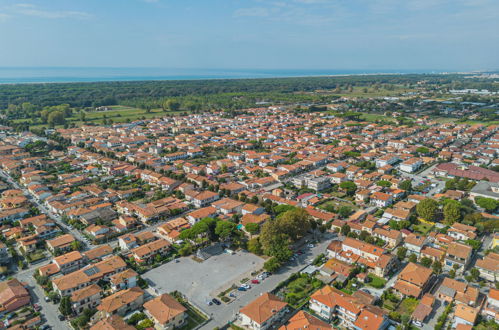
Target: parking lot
[202, 280]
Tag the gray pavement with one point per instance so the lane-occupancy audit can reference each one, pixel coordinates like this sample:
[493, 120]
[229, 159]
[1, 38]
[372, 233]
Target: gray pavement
[49, 310]
[200, 281]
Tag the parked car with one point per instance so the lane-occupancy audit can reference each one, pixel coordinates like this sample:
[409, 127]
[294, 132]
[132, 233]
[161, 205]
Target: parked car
[36, 307]
[311, 245]
[45, 327]
[255, 281]
[241, 289]
[216, 301]
[47, 299]
[246, 286]
[61, 317]
[209, 303]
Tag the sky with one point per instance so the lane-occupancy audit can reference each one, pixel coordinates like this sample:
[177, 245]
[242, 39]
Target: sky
[441, 35]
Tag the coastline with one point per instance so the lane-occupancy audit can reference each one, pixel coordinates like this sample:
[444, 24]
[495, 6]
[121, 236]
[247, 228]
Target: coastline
[91, 75]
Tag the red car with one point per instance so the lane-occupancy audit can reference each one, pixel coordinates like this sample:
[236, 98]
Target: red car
[255, 281]
[36, 307]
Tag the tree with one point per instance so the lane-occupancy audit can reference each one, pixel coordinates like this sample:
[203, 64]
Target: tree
[401, 253]
[224, 229]
[488, 204]
[272, 264]
[294, 223]
[185, 250]
[349, 186]
[76, 245]
[136, 318]
[475, 273]
[406, 185]
[384, 183]
[345, 229]
[413, 258]
[452, 211]
[425, 261]
[475, 244]
[254, 246]
[145, 324]
[437, 267]
[55, 118]
[65, 306]
[427, 209]
[344, 211]
[171, 104]
[252, 228]
[422, 150]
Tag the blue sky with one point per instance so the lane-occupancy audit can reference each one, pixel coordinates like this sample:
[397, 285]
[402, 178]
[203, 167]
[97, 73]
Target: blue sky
[453, 35]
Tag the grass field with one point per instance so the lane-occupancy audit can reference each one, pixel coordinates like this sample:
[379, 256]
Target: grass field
[118, 114]
[376, 282]
[422, 228]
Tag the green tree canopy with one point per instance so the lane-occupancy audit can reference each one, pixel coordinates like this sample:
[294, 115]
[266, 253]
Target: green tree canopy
[349, 186]
[427, 209]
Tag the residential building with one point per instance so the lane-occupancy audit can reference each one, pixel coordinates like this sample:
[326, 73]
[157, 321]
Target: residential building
[166, 312]
[263, 312]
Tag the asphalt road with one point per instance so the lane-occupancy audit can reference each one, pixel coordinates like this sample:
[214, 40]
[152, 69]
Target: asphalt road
[49, 310]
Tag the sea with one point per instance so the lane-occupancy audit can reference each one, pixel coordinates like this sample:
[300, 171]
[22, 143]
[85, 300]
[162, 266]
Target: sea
[21, 75]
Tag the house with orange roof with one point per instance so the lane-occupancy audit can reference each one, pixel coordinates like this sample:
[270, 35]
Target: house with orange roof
[86, 298]
[423, 310]
[489, 267]
[69, 262]
[352, 311]
[303, 320]
[13, 295]
[146, 252]
[381, 199]
[464, 314]
[67, 284]
[61, 243]
[166, 312]
[121, 302]
[458, 254]
[414, 280]
[262, 313]
[123, 280]
[205, 212]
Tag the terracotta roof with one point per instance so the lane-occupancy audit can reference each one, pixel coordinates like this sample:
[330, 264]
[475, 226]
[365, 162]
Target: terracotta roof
[164, 308]
[86, 292]
[114, 322]
[119, 299]
[263, 308]
[303, 320]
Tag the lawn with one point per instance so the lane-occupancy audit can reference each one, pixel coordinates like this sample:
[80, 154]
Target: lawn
[35, 256]
[118, 114]
[407, 306]
[194, 318]
[376, 281]
[299, 288]
[422, 228]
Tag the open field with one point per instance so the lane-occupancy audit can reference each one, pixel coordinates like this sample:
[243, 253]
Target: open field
[118, 114]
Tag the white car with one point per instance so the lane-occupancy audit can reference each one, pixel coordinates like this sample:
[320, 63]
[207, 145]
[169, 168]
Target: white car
[311, 245]
[246, 286]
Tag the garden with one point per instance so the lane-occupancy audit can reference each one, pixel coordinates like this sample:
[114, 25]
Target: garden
[297, 289]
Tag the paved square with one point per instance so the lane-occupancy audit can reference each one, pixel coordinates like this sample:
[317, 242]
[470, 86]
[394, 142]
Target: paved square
[201, 281]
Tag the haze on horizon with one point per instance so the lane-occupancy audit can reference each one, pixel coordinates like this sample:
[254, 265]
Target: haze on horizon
[445, 35]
